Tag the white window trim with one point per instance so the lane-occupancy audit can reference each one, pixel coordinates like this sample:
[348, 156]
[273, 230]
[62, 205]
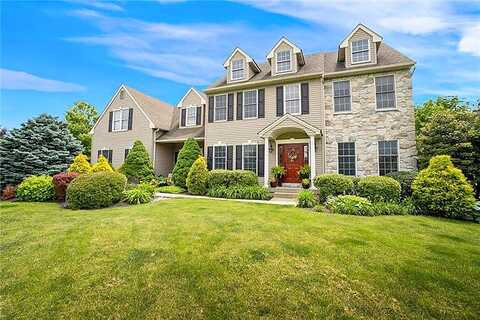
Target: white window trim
[395, 92]
[243, 156]
[244, 70]
[213, 155]
[113, 120]
[369, 51]
[215, 107]
[299, 98]
[333, 97]
[355, 146]
[378, 154]
[186, 116]
[291, 62]
[243, 105]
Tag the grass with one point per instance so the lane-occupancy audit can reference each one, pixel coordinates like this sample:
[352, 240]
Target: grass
[207, 259]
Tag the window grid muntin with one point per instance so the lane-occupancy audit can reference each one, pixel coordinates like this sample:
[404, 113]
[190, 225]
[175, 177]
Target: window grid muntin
[238, 69]
[360, 50]
[385, 92]
[120, 120]
[284, 61]
[292, 99]
[191, 116]
[387, 156]
[220, 157]
[346, 158]
[250, 157]
[250, 104]
[220, 107]
[341, 96]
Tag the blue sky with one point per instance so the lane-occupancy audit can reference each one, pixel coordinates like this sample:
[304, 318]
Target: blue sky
[55, 53]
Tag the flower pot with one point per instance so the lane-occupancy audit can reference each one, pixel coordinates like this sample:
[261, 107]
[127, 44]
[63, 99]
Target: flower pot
[273, 184]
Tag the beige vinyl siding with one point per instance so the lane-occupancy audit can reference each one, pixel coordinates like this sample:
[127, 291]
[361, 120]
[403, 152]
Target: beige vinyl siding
[164, 158]
[248, 72]
[360, 34]
[119, 141]
[284, 46]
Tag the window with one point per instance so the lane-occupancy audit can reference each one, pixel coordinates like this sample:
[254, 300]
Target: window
[238, 69]
[360, 51]
[220, 108]
[284, 61]
[292, 99]
[385, 90]
[120, 120]
[250, 157]
[108, 154]
[346, 158]
[387, 156]
[219, 157]
[191, 116]
[341, 96]
[250, 104]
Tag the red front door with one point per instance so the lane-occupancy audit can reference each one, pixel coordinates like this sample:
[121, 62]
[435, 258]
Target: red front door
[292, 158]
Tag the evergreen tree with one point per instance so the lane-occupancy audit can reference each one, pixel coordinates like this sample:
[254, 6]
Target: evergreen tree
[197, 177]
[137, 166]
[41, 146]
[80, 118]
[102, 165]
[186, 157]
[80, 164]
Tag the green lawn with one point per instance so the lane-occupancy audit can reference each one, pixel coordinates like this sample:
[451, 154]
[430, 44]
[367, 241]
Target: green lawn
[206, 259]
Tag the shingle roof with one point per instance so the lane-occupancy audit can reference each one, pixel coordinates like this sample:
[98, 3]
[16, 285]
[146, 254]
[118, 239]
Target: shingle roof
[324, 62]
[177, 133]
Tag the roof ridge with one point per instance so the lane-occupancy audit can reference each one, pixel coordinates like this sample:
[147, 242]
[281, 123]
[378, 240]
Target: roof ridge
[148, 96]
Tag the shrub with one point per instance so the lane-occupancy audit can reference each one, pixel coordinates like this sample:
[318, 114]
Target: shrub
[96, 190]
[333, 184]
[36, 188]
[197, 177]
[405, 178]
[9, 192]
[102, 165]
[170, 189]
[442, 190]
[304, 172]
[240, 192]
[349, 204]
[389, 209]
[138, 167]
[142, 193]
[186, 157]
[319, 208]
[379, 189]
[231, 178]
[80, 164]
[306, 199]
[61, 182]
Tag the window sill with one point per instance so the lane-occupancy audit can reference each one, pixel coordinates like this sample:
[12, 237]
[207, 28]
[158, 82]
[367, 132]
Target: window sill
[189, 127]
[249, 118]
[342, 112]
[386, 110]
[123, 130]
[217, 121]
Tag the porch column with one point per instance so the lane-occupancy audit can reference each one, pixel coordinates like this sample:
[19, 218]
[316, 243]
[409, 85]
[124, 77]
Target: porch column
[265, 166]
[312, 160]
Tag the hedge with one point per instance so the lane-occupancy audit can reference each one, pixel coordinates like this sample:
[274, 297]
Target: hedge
[36, 188]
[333, 184]
[405, 178]
[228, 178]
[379, 189]
[240, 192]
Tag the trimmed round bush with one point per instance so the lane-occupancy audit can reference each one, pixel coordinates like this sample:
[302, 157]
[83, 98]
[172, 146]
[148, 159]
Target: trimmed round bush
[379, 189]
[231, 178]
[405, 178]
[186, 157]
[138, 167]
[80, 164]
[197, 177]
[349, 204]
[333, 184]
[306, 199]
[442, 190]
[36, 188]
[96, 190]
[102, 165]
[61, 182]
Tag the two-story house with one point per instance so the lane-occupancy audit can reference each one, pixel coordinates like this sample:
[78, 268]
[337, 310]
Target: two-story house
[349, 111]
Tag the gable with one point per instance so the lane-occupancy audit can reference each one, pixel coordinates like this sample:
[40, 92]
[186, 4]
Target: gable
[360, 29]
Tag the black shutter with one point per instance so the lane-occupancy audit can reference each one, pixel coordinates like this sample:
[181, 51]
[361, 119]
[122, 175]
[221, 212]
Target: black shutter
[229, 157]
[280, 101]
[261, 160]
[238, 157]
[261, 103]
[239, 105]
[183, 117]
[126, 153]
[210, 109]
[110, 154]
[209, 157]
[230, 107]
[130, 118]
[305, 100]
[99, 154]
[110, 120]
[199, 116]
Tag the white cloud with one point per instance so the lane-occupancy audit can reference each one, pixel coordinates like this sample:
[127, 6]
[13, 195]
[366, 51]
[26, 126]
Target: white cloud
[470, 42]
[102, 5]
[18, 80]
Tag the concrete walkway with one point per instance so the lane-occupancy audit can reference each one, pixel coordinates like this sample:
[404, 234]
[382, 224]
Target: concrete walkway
[163, 196]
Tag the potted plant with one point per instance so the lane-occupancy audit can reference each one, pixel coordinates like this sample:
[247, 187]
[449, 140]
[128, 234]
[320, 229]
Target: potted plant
[273, 182]
[306, 183]
[304, 172]
[278, 172]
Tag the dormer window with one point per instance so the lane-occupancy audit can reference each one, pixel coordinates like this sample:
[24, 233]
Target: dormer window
[238, 69]
[191, 119]
[284, 61]
[360, 51]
